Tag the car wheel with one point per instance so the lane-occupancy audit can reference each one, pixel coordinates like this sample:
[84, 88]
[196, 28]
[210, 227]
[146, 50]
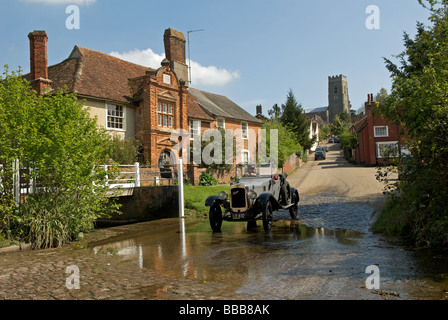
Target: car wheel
[285, 194]
[215, 217]
[294, 208]
[267, 216]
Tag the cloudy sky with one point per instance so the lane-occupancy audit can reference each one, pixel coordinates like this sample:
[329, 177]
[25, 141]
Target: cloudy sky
[252, 51]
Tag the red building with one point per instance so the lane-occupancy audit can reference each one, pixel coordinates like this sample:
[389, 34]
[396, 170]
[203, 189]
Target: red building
[378, 137]
[134, 101]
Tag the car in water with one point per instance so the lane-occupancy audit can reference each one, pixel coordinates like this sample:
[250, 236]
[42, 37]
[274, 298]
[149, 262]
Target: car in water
[320, 154]
[255, 195]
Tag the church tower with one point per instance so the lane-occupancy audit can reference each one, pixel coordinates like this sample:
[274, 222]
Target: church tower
[338, 100]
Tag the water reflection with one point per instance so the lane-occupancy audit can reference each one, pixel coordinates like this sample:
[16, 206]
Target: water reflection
[191, 250]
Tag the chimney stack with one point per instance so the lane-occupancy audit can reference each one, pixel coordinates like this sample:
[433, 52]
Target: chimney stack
[174, 42]
[39, 62]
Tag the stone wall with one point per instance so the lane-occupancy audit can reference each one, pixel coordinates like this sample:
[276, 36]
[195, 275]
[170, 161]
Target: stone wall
[145, 203]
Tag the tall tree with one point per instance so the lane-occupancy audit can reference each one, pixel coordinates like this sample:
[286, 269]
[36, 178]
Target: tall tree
[419, 102]
[294, 118]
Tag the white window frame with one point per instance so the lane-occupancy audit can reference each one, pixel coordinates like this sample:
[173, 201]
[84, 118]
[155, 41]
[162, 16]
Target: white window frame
[380, 145]
[192, 128]
[223, 123]
[243, 152]
[244, 132]
[165, 114]
[376, 135]
[115, 116]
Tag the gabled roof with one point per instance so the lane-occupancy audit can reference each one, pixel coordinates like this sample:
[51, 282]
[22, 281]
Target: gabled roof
[95, 74]
[358, 126]
[221, 106]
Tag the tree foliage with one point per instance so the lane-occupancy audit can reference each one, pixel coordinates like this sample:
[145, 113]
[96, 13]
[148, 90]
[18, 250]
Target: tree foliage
[419, 103]
[293, 117]
[55, 137]
[288, 143]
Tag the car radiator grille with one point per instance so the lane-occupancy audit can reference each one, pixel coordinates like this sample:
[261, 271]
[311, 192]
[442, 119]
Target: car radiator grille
[238, 198]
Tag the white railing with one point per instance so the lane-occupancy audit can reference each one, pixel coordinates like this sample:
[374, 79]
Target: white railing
[134, 178]
[136, 175]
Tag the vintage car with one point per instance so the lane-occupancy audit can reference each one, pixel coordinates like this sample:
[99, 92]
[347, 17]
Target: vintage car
[255, 195]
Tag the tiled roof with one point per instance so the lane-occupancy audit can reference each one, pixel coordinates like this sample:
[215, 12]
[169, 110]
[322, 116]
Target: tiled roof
[98, 75]
[221, 106]
[95, 74]
[194, 111]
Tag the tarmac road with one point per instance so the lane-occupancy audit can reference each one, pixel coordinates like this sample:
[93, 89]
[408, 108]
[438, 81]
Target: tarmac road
[328, 253]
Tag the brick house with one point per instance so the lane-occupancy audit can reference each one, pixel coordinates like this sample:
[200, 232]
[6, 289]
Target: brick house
[377, 136]
[134, 101]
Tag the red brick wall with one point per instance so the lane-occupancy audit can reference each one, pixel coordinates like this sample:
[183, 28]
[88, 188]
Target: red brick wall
[174, 45]
[156, 139]
[39, 61]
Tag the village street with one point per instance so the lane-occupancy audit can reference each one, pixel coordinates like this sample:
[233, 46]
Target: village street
[323, 255]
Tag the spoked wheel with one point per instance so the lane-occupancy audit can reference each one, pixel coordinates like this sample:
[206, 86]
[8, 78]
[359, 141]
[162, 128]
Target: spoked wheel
[294, 208]
[285, 194]
[215, 217]
[267, 217]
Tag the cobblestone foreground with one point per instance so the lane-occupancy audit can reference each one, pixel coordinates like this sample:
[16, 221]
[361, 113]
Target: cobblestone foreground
[43, 275]
[323, 255]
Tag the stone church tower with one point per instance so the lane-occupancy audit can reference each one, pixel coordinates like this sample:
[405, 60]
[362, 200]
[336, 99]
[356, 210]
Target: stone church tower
[338, 100]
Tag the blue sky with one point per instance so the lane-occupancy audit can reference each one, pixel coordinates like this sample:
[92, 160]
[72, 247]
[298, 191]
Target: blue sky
[250, 51]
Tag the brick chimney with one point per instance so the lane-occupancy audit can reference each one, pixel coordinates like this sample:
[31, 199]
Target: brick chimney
[39, 63]
[174, 42]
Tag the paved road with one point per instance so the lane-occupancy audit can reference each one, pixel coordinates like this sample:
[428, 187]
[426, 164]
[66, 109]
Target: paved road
[322, 255]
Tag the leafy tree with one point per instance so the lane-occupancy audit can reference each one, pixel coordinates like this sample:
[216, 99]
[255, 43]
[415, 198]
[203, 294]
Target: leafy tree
[288, 143]
[275, 112]
[419, 103]
[124, 151]
[55, 136]
[381, 96]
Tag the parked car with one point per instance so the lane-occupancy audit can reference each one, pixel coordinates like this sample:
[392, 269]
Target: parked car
[255, 195]
[331, 140]
[326, 149]
[336, 140]
[320, 155]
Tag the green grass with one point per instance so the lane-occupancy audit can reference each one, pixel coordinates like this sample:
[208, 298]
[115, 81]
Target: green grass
[392, 221]
[195, 196]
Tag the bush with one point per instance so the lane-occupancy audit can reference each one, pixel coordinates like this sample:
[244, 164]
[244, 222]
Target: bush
[55, 135]
[206, 179]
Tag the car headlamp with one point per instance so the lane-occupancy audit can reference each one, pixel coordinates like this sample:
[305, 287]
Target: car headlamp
[223, 195]
[252, 194]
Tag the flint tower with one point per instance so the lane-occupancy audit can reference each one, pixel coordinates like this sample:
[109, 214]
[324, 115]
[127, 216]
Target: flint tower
[338, 100]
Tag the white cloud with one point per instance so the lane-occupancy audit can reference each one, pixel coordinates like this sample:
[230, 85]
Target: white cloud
[211, 75]
[50, 2]
[147, 58]
[200, 75]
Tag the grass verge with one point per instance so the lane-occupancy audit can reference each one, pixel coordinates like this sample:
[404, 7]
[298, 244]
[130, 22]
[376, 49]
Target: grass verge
[195, 196]
[392, 220]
